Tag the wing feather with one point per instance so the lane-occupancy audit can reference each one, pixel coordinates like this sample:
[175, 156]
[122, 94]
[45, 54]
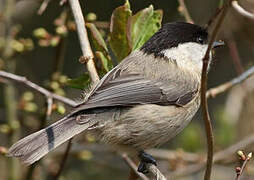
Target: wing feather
[127, 85]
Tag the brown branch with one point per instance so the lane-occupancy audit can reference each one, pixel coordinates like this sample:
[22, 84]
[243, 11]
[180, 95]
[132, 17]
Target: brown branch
[206, 117]
[133, 166]
[184, 11]
[242, 11]
[84, 42]
[36, 87]
[213, 92]
[233, 51]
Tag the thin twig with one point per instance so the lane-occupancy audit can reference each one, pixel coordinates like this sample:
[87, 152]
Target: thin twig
[242, 11]
[63, 162]
[36, 87]
[43, 7]
[84, 42]
[206, 117]
[133, 166]
[218, 157]
[233, 51]
[244, 160]
[174, 155]
[213, 17]
[213, 92]
[184, 11]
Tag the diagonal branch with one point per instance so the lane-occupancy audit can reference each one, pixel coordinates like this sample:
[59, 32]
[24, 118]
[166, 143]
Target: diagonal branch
[213, 92]
[43, 7]
[184, 11]
[84, 42]
[45, 92]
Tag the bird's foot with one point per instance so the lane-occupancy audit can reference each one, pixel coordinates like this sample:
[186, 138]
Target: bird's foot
[144, 160]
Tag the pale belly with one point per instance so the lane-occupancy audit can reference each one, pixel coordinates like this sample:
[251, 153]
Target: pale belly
[147, 126]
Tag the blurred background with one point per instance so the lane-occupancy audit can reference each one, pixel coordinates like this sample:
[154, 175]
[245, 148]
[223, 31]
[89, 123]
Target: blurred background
[45, 49]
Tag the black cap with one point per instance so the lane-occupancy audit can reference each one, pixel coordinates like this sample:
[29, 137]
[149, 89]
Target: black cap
[173, 34]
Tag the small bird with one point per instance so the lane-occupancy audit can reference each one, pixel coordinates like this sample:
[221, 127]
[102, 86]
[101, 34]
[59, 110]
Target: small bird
[143, 102]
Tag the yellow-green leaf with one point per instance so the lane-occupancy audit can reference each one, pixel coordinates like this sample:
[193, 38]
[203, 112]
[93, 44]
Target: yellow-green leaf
[118, 31]
[142, 26]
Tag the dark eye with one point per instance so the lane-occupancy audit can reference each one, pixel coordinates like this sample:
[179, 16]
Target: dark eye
[200, 40]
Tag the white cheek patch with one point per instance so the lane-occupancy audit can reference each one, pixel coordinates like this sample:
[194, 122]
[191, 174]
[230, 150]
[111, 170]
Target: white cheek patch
[187, 55]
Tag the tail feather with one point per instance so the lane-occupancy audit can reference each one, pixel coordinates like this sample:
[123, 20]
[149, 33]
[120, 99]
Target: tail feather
[35, 146]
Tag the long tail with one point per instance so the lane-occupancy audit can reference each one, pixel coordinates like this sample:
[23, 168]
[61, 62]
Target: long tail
[35, 146]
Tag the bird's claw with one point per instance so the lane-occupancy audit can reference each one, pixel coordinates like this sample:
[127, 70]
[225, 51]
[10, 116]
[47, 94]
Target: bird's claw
[144, 160]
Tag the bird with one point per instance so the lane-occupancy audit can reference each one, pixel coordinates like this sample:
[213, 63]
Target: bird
[143, 102]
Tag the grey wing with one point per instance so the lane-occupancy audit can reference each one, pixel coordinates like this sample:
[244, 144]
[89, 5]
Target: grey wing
[132, 89]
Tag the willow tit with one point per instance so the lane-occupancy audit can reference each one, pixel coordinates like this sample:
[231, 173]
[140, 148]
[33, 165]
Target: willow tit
[141, 103]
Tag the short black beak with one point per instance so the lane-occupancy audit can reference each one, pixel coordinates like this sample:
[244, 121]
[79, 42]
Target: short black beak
[217, 44]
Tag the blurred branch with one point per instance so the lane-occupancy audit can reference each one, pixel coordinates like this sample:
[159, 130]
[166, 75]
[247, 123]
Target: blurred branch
[84, 42]
[9, 91]
[235, 55]
[207, 120]
[173, 155]
[242, 11]
[218, 157]
[43, 7]
[217, 12]
[36, 87]
[184, 11]
[213, 92]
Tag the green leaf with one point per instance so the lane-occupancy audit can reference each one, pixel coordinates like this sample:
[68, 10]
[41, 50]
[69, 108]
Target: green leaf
[118, 31]
[105, 61]
[143, 25]
[97, 38]
[81, 82]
